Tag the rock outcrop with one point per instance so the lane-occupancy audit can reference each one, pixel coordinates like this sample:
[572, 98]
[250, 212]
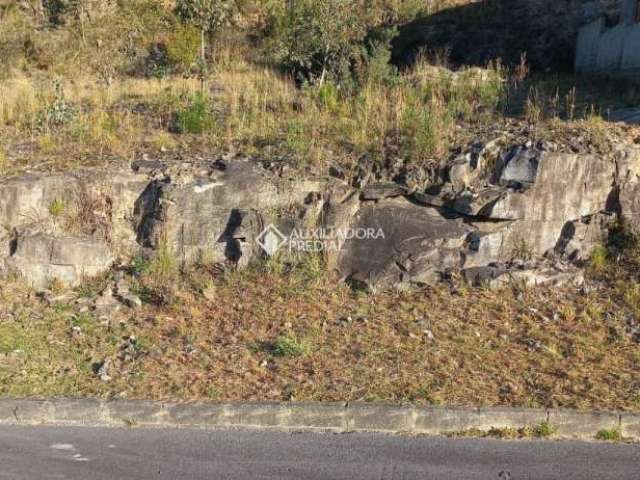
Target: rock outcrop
[529, 209]
[43, 258]
[214, 215]
[70, 225]
[527, 213]
[401, 243]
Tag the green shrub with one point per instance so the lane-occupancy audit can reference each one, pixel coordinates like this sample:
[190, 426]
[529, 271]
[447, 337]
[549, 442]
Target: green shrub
[195, 118]
[139, 265]
[289, 345]
[209, 16]
[544, 430]
[427, 125]
[328, 96]
[612, 435]
[58, 112]
[319, 40]
[183, 47]
[379, 68]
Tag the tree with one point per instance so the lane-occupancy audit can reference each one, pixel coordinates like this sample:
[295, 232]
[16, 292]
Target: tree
[318, 38]
[208, 15]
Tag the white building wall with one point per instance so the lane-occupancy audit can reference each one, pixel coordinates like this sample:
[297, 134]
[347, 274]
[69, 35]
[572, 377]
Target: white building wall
[611, 51]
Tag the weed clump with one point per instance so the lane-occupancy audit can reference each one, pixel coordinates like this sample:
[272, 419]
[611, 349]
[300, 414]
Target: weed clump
[58, 112]
[195, 118]
[609, 435]
[544, 430]
[289, 345]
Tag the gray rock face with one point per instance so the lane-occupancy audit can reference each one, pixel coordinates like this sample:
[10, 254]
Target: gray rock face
[562, 187]
[494, 210]
[521, 168]
[381, 191]
[82, 203]
[214, 218]
[469, 167]
[41, 259]
[536, 201]
[27, 200]
[50, 224]
[533, 204]
[628, 160]
[404, 243]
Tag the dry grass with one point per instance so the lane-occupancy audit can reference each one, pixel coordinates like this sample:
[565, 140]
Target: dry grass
[417, 116]
[269, 334]
[256, 110]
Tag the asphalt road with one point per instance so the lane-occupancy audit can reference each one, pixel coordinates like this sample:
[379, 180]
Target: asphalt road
[33, 453]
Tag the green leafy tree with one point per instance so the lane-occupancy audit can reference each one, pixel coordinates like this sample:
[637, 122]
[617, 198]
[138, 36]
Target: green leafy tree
[208, 15]
[320, 39]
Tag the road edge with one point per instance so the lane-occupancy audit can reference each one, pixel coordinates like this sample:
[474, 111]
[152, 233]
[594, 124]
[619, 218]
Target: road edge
[329, 417]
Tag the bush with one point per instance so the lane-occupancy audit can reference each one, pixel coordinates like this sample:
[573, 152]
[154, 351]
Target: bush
[58, 112]
[157, 63]
[612, 435]
[379, 69]
[195, 118]
[328, 96]
[182, 47]
[319, 40]
[208, 15]
[544, 430]
[290, 346]
[427, 125]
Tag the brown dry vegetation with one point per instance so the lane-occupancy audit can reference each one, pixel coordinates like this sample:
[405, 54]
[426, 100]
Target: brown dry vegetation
[277, 332]
[68, 101]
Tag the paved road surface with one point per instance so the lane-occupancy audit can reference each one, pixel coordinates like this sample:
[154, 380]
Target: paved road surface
[33, 453]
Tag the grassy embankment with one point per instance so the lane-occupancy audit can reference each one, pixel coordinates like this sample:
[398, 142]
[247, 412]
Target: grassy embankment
[279, 331]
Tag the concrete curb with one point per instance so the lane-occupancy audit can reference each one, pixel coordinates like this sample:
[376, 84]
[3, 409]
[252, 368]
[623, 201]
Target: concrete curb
[332, 417]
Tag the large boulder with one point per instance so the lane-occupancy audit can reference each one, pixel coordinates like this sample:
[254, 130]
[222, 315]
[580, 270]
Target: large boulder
[525, 205]
[42, 259]
[109, 199]
[537, 198]
[27, 200]
[85, 203]
[543, 186]
[216, 217]
[628, 184]
[395, 242]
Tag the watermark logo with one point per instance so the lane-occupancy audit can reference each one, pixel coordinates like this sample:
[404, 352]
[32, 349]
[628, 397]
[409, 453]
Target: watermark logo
[273, 240]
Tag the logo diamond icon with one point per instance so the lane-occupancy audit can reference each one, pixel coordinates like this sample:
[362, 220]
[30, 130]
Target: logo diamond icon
[271, 240]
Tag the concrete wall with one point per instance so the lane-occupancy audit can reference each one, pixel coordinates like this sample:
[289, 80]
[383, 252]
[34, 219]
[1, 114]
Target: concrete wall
[611, 51]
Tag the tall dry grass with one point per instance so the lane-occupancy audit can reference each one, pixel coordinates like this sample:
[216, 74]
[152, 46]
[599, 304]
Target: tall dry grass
[259, 111]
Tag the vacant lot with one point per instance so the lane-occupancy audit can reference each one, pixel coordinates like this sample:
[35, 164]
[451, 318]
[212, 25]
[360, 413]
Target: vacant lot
[273, 334]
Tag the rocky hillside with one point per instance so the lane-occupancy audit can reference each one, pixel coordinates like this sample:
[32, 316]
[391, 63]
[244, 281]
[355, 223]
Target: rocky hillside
[290, 216]
[532, 211]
